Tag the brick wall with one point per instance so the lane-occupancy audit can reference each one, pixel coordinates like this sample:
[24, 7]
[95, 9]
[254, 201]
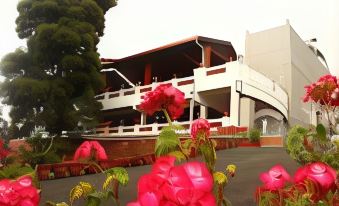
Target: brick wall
[271, 141]
[128, 148]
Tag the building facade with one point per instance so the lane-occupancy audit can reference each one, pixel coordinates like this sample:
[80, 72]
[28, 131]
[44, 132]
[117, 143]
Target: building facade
[261, 89]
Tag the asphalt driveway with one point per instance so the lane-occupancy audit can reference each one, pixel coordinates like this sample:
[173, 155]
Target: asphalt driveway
[250, 163]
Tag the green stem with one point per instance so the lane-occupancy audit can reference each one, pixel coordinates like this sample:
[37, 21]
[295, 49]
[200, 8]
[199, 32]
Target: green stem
[49, 147]
[98, 166]
[167, 117]
[116, 191]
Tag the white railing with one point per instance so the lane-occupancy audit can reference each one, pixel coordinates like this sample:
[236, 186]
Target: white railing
[253, 83]
[133, 96]
[155, 128]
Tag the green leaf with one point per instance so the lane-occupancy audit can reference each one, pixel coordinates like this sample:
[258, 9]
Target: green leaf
[231, 168]
[178, 155]
[220, 178]
[188, 143]
[93, 201]
[118, 173]
[209, 154]
[75, 193]
[167, 142]
[321, 132]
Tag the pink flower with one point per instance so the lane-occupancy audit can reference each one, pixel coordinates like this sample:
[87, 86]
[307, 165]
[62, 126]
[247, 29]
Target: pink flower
[319, 172]
[90, 149]
[20, 192]
[275, 178]
[324, 91]
[100, 151]
[190, 183]
[164, 96]
[200, 127]
[169, 185]
[161, 168]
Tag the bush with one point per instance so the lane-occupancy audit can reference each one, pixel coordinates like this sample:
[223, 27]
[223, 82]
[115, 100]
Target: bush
[295, 145]
[243, 134]
[307, 146]
[254, 135]
[15, 170]
[43, 151]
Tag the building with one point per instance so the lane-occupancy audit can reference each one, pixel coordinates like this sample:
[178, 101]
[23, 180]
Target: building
[261, 89]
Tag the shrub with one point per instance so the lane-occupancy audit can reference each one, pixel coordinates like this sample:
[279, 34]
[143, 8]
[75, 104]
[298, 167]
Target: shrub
[42, 151]
[295, 145]
[307, 146]
[14, 171]
[254, 135]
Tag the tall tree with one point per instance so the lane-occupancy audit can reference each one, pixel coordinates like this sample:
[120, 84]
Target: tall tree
[3, 126]
[53, 81]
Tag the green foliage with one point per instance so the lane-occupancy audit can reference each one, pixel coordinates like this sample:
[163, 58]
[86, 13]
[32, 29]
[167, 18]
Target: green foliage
[41, 151]
[118, 173]
[3, 127]
[295, 146]
[59, 68]
[321, 132]
[254, 135]
[178, 155]
[306, 146]
[267, 199]
[14, 171]
[243, 134]
[208, 151]
[220, 178]
[167, 142]
[114, 177]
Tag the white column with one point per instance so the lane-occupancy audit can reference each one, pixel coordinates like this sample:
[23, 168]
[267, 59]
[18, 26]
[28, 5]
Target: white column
[203, 111]
[191, 109]
[234, 107]
[247, 112]
[143, 118]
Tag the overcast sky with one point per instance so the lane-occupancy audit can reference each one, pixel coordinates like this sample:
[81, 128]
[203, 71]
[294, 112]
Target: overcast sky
[135, 26]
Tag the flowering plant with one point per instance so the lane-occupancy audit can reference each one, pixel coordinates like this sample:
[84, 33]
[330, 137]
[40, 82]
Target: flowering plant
[91, 150]
[20, 192]
[192, 182]
[315, 144]
[4, 152]
[164, 97]
[325, 92]
[313, 184]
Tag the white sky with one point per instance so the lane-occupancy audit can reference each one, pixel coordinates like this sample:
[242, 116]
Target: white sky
[135, 26]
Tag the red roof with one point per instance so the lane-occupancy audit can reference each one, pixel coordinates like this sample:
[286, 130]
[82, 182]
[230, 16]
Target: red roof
[177, 43]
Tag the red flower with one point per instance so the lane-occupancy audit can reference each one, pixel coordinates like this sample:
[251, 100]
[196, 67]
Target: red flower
[19, 193]
[3, 151]
[164, 96]
[200, 127]
[275, 178]
[188, 184]
[318, 172]
[324, 91]
[90, 149]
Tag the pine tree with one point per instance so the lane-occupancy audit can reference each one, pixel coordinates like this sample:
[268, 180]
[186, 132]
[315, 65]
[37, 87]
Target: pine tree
[53, 81]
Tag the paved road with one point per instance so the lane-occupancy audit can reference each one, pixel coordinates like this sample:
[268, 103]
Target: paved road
[240, 191]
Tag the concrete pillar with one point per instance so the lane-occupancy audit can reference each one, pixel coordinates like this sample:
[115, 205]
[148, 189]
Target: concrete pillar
[143, 118]
[191, 109]
[234, 108]
[247, 112]
[148, 74]
[207, 56]
[203, 111]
